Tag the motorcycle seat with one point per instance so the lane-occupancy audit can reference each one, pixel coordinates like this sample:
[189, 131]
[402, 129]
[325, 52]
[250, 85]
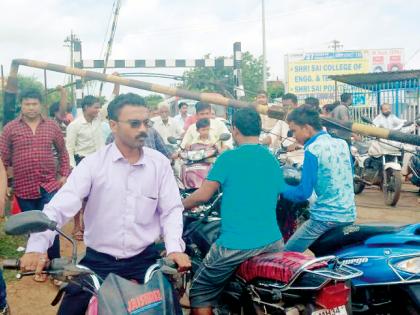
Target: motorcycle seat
[361, 147]
[280, 266]
[342, 236]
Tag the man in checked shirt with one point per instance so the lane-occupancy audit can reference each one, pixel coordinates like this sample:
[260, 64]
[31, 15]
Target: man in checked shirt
[27, 145]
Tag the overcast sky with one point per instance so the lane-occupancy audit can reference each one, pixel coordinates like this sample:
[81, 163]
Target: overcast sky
[152, 29]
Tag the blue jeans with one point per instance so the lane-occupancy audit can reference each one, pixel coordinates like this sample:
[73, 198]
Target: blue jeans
[2, 291]
[38, 204]
[308, 233]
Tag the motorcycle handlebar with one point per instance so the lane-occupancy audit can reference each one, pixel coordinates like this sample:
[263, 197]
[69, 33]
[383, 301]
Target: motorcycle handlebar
[11, 264]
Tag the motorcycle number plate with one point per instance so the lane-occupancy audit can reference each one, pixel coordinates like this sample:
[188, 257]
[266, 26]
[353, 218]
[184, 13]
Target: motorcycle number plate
[341, 310]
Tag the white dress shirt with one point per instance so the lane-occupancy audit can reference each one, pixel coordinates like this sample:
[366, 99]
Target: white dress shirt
[84, 138]
[391, 122]
[170, 129]
[181, 120]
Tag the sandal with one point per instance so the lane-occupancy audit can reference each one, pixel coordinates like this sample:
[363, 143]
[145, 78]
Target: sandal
[40, 278]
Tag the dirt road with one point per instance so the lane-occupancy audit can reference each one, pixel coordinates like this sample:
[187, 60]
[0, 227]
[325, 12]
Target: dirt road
[27, 297]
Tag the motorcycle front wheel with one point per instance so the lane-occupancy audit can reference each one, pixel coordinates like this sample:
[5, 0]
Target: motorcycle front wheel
[392, 189]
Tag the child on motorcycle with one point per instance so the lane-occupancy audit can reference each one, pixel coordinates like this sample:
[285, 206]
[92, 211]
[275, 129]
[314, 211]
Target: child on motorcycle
[204, 136]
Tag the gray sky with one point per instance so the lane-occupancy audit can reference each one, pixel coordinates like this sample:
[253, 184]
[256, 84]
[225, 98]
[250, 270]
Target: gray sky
[151, 29]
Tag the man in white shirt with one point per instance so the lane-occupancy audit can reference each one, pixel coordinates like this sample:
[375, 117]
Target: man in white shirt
[182, 115]
[203, 110]
[388, 120]
[84, 134]
[166, 126]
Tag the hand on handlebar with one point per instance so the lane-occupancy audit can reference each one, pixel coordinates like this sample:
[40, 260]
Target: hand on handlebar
[36, 262]
[181, 259]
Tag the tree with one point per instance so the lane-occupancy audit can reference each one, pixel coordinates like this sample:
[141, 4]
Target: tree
[153, 100]
[220, 79]
[275, 89]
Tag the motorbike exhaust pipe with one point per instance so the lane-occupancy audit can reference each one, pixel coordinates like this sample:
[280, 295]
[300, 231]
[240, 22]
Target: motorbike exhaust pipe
[275, 112]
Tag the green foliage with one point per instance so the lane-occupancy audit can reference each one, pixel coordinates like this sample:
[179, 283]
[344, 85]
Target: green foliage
[220, 80]
[153, 100]
[8, 246]
[275, 89]
[26, 82]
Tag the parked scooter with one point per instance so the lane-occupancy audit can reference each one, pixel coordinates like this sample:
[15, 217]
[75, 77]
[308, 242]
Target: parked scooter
[197, 162]
[113, 295]
[388, 256]
[378, 164]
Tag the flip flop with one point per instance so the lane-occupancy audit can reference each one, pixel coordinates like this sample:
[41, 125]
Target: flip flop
[40, 278]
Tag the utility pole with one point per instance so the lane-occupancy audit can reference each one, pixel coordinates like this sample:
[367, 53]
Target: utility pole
[335, 45]
[70, 42]
[264, 48]
[111, 39]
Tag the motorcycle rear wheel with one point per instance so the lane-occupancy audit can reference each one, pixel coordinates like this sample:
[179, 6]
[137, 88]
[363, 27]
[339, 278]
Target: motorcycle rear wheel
[392, 190]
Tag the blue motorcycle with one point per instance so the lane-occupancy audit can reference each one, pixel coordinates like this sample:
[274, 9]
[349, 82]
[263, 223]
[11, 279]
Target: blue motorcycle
[388, 256]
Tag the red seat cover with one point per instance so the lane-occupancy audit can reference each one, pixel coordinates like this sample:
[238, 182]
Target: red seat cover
[275, 266]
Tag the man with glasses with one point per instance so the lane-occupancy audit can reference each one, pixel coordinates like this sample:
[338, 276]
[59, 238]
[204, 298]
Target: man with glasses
[133, 199]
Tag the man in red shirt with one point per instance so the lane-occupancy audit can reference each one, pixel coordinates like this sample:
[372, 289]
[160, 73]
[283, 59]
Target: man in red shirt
[27, 145]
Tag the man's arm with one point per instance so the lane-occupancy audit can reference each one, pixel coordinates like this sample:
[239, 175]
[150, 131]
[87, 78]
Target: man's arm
[6, 148]
[309, 178]
[160, 144]
[115, 92]
[63, 155]
[397, 122]
[170, 209]
[3, 188]
[202, 194]
[71, 135]
[62, 110]
[188, 137]
[64, 205]
[223, 129]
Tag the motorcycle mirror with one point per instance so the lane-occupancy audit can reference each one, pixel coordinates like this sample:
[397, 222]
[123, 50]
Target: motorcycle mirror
[366, 120]
[172, 140]
[224, 137]
[29, 222]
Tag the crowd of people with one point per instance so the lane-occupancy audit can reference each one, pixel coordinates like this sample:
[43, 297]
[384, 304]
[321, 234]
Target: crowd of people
[111, 166]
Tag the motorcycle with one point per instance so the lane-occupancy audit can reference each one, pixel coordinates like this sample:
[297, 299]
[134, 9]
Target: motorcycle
[113, 295]
[378, 164]
[414, 160]
[388, 257]
[414, 168]
[197, 162]
[276, 283]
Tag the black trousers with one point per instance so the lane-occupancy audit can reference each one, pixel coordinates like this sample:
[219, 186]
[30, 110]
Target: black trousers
[75, 301]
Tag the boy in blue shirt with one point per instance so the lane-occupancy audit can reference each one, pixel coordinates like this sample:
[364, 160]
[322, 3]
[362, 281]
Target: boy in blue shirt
[326, 170]
[251, 180]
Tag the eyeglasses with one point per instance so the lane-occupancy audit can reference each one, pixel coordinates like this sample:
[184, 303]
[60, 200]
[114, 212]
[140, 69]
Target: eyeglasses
[136, 123]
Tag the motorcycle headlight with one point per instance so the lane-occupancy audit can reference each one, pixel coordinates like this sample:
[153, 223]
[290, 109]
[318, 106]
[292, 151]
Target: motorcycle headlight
[411, 265]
